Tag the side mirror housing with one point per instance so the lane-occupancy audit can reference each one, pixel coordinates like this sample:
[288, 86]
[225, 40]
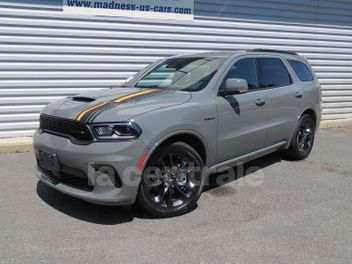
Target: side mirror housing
[234, 86]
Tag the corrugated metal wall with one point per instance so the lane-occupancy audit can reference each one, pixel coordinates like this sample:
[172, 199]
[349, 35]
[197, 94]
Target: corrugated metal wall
[45, 54]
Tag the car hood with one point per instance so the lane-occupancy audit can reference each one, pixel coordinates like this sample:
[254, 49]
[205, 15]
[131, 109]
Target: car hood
[115, 104]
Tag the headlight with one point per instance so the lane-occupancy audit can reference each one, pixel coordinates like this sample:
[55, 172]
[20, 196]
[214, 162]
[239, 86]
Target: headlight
[116, 131]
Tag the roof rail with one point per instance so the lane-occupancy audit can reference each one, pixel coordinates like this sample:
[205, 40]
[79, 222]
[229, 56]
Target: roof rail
[273, 51]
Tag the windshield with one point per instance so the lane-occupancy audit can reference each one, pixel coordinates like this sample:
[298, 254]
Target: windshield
[186, 74]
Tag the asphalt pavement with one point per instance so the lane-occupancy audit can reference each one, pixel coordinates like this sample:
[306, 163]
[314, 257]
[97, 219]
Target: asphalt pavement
[287, 212]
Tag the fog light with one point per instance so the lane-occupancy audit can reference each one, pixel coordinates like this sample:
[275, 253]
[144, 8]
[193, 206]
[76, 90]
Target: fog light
[109, 172]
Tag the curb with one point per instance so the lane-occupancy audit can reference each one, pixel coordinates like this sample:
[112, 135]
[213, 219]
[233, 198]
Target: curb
[16, 145]
[21, 145]
[336, 123]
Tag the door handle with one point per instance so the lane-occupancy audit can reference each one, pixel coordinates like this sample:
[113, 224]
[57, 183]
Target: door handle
[260, 102]
[299, 95]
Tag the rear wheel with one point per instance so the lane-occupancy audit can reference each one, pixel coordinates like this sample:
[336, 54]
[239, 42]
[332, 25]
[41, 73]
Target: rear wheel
[172, 181]
[303, 139]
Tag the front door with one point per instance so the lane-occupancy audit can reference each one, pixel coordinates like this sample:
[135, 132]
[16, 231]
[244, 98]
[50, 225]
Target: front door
[241, 117]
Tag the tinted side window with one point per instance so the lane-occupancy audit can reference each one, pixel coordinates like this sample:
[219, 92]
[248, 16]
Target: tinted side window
[272, 73]
[302, 71]
[244, 69]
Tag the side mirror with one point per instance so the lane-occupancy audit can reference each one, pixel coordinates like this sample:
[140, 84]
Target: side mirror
[234, 86]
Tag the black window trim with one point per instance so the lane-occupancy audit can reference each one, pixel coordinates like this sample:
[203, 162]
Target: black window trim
[255, 58]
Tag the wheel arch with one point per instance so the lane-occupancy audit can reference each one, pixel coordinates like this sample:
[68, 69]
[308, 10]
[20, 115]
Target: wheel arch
[309, 111]
[189, 137]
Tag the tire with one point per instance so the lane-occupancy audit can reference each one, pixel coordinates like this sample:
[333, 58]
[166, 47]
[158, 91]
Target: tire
[303, 139]
[171, 184]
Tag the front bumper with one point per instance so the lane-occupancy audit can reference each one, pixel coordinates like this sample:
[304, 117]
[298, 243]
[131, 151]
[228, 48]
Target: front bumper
[123, 156]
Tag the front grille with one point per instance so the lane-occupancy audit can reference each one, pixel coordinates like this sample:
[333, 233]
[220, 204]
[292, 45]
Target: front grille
[65, 127]
[74, 181]
[70, 177]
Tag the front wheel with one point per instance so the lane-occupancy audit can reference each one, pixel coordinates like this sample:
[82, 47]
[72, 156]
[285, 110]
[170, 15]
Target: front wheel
[303, 139]
[172, 181]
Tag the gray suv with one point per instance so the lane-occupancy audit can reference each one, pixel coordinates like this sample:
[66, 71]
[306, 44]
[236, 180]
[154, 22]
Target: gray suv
[155, 139]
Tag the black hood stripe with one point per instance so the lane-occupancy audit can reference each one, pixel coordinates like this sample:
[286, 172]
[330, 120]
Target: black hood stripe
[90, 115]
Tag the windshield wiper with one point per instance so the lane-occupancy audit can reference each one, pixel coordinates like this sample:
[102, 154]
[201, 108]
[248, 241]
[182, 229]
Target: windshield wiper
[145, 87]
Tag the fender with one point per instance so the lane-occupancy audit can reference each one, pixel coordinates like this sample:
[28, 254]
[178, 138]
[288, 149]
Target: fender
[145, 158]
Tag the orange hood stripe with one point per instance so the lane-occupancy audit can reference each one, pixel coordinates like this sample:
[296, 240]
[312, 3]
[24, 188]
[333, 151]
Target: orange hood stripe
[121, 99]
[118, 100]
[82, 114]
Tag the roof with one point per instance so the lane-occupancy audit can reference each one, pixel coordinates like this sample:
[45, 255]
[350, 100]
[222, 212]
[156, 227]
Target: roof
[225, 54]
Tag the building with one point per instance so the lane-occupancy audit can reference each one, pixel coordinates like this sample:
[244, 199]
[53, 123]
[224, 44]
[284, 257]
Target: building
[46, 53]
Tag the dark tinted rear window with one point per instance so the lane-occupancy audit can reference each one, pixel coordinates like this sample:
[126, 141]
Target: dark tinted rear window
[302, 70]
[272, 73]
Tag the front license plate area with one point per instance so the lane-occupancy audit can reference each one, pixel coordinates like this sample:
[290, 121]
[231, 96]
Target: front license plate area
[49, 161]
[47, 178]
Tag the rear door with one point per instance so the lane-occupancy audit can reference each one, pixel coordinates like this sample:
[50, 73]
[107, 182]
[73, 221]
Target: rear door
[307, 82]
[283, 97]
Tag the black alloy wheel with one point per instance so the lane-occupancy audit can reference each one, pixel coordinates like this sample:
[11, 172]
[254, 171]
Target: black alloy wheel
[303, 139]
[172, 181]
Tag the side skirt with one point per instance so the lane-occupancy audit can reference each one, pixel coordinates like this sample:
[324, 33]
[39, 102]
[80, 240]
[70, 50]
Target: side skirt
[247, 157]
